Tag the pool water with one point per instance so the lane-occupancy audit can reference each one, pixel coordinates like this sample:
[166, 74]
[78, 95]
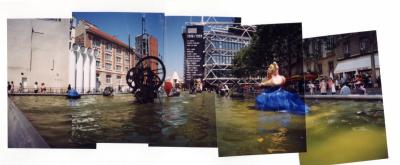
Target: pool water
[242, 130]
[187, 120]
[344, 131]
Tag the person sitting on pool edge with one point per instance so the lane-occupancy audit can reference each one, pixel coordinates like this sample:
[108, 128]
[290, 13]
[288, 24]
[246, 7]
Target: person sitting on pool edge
[275, 98]
[345, 90]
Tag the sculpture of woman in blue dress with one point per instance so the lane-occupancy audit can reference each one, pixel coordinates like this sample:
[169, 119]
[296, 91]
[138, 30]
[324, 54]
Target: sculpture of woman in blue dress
[275, 98]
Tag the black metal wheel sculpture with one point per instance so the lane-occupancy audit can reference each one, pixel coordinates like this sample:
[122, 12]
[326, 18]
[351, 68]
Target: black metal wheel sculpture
[146, 78]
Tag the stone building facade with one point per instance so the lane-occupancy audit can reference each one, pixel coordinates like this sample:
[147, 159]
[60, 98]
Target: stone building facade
[115, 57]
[38, 51]
[343, 56]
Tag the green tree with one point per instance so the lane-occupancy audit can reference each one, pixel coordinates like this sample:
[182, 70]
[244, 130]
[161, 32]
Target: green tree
[280, 42]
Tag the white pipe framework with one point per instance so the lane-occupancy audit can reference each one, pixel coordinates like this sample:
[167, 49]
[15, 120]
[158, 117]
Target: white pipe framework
[221, 46]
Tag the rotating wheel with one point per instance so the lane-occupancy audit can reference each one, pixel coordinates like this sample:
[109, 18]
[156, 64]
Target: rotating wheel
[134, 78]
[153, 71]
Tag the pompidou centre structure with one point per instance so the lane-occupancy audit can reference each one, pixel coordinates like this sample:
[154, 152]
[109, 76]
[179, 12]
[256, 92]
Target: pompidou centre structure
[210, 56]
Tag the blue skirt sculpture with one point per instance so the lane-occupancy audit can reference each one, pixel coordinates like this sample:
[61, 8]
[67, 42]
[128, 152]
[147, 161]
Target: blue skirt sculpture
[73, 94]
[278, 99]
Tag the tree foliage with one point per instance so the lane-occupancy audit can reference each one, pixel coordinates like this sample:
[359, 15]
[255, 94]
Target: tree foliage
[280, 42]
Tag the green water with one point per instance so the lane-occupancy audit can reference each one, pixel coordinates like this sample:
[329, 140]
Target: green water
[188, 120]
[245, 131]
[337, 134]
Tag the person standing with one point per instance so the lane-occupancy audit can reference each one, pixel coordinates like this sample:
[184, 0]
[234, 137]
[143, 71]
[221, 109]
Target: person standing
[35, 87]
[69, 88]
[8, 87]
[322, 87]
[311, 86]
[42, 88]
[12, 87]
[21, 88]
[337, 84]
[332, 86]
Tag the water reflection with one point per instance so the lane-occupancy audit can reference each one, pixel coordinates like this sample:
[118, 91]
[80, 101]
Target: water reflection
[72, 102]
[84, 125]
[180, 121]
[242, 130]
[344, 131]
[274, 136]
[188, 120]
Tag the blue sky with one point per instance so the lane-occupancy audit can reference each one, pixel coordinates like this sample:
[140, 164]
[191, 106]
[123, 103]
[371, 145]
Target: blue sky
[122, 24]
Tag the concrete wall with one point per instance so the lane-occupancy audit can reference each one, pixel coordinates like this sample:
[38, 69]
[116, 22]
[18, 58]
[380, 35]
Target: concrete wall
[21, 133]
[41, 55]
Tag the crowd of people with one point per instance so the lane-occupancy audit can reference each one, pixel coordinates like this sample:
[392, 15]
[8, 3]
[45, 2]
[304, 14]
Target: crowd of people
[22, 89]
[357, 84]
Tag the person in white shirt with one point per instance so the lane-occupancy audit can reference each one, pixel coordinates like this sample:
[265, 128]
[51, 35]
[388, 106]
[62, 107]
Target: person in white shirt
[35, 87]
[322, 87]
[311, 86]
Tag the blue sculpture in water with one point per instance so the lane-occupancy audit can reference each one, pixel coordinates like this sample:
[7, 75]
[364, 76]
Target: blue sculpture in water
[277, 99]
[73, 94]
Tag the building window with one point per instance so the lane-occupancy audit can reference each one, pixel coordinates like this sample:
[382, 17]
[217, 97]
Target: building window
[96, 43]
[118, 68]
[118, 50]
[346, 48]
[118, 59]
[97, 77]
[310, 48]
[109, 47]
[108, 79]
[330, 65]
[126, 68]
[108, 66]
[330, 43]
[317, 48]
[119, 79]
[97, 64]
[364, 44]
[108, 57]
[319, 69]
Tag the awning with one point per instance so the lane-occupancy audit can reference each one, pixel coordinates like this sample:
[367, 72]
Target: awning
[354, 64]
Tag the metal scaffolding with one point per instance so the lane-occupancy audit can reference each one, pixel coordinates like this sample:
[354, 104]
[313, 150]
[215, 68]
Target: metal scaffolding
[222, 42]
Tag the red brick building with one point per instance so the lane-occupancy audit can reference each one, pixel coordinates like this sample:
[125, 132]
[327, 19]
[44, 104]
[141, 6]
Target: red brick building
[147, 45]
[115, 58]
